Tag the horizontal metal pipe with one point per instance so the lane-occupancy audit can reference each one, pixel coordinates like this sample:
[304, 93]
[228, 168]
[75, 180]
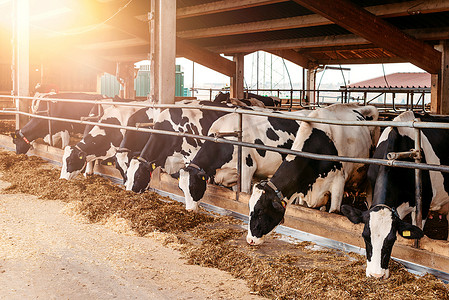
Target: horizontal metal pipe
[412, 124]
[383, 162]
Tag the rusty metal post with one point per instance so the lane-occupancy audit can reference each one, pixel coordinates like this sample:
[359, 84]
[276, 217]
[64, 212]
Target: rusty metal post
[418, 182]
[239, 157]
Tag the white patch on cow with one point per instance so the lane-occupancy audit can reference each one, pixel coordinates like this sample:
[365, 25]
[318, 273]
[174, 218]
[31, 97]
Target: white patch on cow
[89, 168]
[64, 173]
[184, 185]
[380, 226]
[384, 135]
[130, 174]
[62, 136]
[404, 209]
[96, 131]
[227, 177]
[174, 163]
[122, 160]
[255, 196]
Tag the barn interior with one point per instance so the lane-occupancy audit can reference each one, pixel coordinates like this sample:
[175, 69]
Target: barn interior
[70, 43]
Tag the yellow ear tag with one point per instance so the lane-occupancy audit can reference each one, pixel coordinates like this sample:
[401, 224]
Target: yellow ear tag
[109, 163]
[81, 157]
[406, 233]
[153, 166]
[203, 178]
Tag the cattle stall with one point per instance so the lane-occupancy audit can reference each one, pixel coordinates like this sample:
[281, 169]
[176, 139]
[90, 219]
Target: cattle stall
[431, 253]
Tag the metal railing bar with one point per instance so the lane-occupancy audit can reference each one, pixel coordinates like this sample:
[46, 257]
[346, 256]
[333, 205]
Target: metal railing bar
[383, 162]
[411, 124]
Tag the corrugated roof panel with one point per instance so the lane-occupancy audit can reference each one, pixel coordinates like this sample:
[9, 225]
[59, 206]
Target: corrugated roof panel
[396, 80]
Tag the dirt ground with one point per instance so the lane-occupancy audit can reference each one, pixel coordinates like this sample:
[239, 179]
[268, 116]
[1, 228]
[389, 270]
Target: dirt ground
[47, 254]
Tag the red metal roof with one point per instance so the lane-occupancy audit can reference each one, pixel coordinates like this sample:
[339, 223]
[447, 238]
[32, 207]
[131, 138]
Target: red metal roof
[396, 80]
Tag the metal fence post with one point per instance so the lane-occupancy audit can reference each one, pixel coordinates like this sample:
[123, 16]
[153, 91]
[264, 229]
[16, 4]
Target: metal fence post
[418, 182]
[50, 131]
[239, 157]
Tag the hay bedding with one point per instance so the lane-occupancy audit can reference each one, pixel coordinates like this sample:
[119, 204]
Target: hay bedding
[275, 270]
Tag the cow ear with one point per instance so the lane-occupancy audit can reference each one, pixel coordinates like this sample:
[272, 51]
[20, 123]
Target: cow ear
[353, 214]
[203, 176]
[409, 231]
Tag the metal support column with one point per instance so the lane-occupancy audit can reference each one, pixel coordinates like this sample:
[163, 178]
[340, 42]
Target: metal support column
[21, 60]
[239, 157]
[418, 182]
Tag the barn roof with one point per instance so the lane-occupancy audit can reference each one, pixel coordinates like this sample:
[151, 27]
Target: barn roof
[102, 32]
[396, 80]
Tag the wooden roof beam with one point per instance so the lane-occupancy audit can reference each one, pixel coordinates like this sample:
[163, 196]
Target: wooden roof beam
[294, 57]
[386, 10]
[220, 6]
[204, 57]
[377, 31]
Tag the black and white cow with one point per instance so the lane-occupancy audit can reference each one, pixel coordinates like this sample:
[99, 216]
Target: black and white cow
[314, 181]
[99, 143]
[265, 100]
[134, 141]
[219, 161]
[38, 128]
[394, 197]
[171, 152]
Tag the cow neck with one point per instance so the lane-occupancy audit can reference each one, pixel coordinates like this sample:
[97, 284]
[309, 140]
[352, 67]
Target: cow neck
[80, 147]
[34, 129]
[213, 156]
[23, 137]
[278, 193]
[286, 186]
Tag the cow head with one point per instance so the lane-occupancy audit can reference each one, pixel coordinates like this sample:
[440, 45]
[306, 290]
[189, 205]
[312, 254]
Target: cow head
[138, 175]
[381, 225]
[193, 182]
[22, 143]
[267, 210]
[73, 162]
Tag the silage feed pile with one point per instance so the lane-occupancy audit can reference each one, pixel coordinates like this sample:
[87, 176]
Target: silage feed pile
[276, 269]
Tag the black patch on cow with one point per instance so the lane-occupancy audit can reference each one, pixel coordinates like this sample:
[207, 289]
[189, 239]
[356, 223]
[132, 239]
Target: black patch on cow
[249, 161]
[213, 156]
[176, 116]
[394, 186]
[360, 116]
[272, 135]
[287, 145]
[303, 172]
[289, 126]
[260, 151]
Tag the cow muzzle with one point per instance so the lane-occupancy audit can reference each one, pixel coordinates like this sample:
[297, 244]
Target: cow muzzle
[192, 206]
[253, 241]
